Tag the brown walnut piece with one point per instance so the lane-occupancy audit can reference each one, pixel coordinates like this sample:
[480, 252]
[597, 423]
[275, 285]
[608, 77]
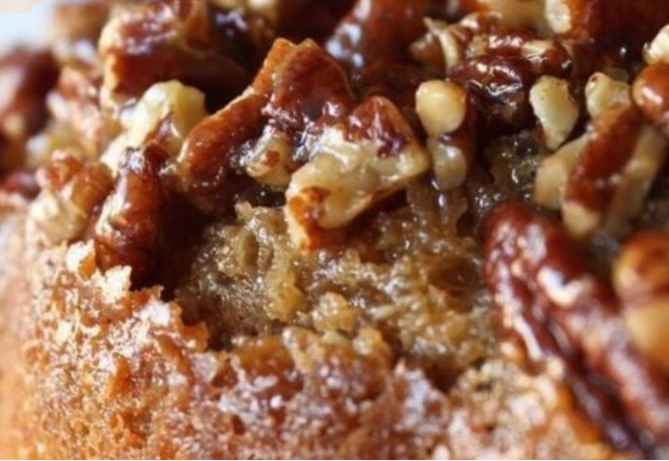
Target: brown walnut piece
[130, 226]
[651, 94]
[26, 77]
[71, 191]
[150, 42]
[533, 267]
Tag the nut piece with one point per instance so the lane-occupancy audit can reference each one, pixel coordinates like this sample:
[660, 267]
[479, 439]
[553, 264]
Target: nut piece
[514, 13]
[149, 42]
[441, 106]
[75, 102]
[651, 94]
[166, 114]
[354, 166]
[25, 79]
[603, 92]
[658, 50]
[534, 272]
[71, 189]
[641, 280]
[612, 139]
[555, 108]
[129, 228]
[554, 173]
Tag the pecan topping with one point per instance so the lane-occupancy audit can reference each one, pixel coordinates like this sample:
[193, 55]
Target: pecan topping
[151, 42]
[651, 94]
[533, 269]
[613, 174]
[25, 79]
[353, 166]
[641, 279]
[129, 229]
[71, 190]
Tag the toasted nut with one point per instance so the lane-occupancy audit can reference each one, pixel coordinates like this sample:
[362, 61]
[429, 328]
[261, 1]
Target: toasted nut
[166, 114]
[658, 50]
[270, 160]
[641, 279]
[441, 106]
[515, 13]
[449, 162]
[71, 190]
[559, 15]
[612, 140]
[651, 94]
[352, 168]
[636, 180]
[603, 92]
[554, 172]
[130, 225]
[451, 48]
[555, 108]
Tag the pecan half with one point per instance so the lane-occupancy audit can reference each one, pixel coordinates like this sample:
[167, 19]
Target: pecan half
[533, 267]
[129, 229]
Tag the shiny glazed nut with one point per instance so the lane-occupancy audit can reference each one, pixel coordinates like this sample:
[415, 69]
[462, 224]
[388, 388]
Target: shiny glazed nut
[603, 92]
[129, 229]
[513, 13]
[165, 115]
[554, 173]
[152, 42]
[25, 79]
[658, 50]
[353, 167]
[76, 102]
[534, 271]
[651, 94]
[641, 280]
[555, 109]
[612, 138]
[71, 189]
[441, 106]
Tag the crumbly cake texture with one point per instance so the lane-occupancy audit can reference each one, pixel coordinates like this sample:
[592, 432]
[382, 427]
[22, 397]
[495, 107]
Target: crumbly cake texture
[395, 229]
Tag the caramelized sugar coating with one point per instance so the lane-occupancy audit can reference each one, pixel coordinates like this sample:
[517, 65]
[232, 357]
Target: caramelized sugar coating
[220, 244]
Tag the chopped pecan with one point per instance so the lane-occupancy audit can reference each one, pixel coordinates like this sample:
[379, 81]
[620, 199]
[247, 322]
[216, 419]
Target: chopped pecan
[533, 268]
[641, 279]
[265, 132]
[500, 66]
[352, 167]
[76, 102]
[71, 190]
[621, 20]
[378, 30]
[555, 108]
[514, 13]
[603, 92]
[613, 174]
[658, 49]
[206, 160]
[651, 94]
[25, 79]
[308, 86]
[448, 117]
[130, 226]
[150, 42]
[165, 115]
